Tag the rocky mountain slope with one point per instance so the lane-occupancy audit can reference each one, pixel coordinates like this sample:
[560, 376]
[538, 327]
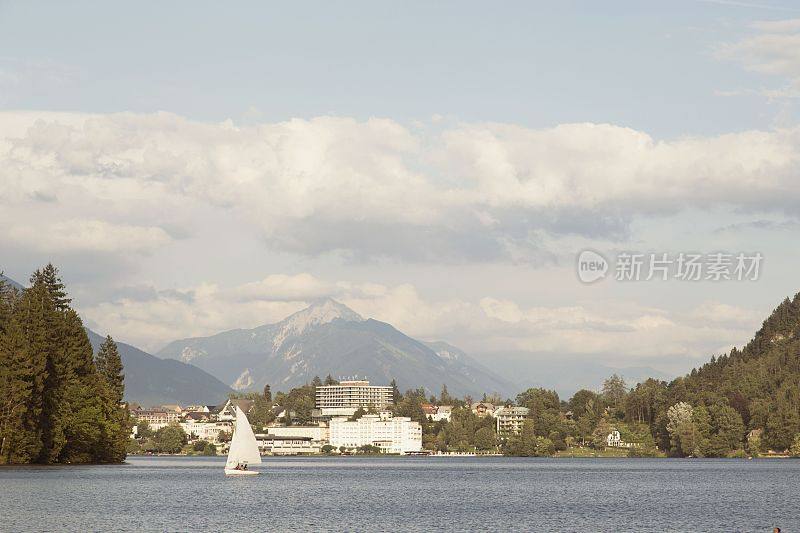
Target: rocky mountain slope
[330, 338]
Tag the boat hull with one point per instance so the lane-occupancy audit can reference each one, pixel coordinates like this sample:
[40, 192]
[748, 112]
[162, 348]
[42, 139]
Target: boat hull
[234, 472]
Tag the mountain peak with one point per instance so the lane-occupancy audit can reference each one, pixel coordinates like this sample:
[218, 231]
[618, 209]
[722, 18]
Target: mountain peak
[320, 312]
[326, 310]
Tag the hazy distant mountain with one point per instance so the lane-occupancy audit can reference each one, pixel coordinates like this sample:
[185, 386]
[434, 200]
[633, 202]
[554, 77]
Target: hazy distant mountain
[153, 381]
[11, 282]
[567, 373]
[330, 338]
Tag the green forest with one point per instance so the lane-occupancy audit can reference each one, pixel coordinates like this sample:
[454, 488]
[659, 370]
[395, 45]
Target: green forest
[58, 402]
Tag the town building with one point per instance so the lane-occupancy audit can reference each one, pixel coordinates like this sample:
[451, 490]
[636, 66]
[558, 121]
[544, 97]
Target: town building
[205, 430]
[509, 420]
[227, 412]
[280, 416]
[156, 418]
[197, 416]
[614, 440]
[436, 413]
[319, 434]
[482, 409]
[398, 435]
[347, 397]
[287, 445]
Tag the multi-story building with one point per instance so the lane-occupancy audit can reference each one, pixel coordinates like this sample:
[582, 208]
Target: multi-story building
[509, 420]
[390, 434]
[347, 397]
[156, 418]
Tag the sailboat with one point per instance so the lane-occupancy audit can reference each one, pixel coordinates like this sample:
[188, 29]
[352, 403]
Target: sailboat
[244, 448]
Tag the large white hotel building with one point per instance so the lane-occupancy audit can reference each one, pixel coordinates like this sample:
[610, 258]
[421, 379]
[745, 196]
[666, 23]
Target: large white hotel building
[345, 398]
[390, 434]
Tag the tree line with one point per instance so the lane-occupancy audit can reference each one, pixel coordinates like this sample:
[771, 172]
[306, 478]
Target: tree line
[58, 402]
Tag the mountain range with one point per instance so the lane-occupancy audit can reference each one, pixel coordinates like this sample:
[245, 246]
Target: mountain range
[150, 380]
[330, 338]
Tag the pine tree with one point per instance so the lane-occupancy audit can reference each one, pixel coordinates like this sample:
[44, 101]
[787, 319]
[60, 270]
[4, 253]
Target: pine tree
[81, 413]
[20, 440]
[55, 287]
[396, 396]
[48, 327]
[109, 366]
[34, 314]
[116, 430]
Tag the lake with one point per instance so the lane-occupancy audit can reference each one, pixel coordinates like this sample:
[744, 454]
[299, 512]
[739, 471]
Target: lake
[406, 494]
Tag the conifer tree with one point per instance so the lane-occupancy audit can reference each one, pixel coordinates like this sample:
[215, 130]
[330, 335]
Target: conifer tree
[109, 366]
[55, 287]
[116, 430]
[20, 440]
[81, 414]
[50, 301]
[34, 313]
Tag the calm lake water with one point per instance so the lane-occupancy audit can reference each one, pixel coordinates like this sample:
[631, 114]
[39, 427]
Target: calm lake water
[406, 494]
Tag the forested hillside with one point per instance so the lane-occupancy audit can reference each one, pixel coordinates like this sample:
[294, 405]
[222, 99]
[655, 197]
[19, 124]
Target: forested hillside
[760, 382]
[58, 402]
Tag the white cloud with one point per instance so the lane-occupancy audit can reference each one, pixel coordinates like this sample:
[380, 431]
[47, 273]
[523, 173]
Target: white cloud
[773, 50]
[472, 192]
[87, 235]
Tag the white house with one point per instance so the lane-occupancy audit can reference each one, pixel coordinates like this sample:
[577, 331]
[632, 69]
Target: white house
[391, 434]
[614, 440]
[443, 412]
[437, 412]
[206, 430]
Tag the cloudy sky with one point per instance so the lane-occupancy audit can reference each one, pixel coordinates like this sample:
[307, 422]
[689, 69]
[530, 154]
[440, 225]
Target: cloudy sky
[194, 168]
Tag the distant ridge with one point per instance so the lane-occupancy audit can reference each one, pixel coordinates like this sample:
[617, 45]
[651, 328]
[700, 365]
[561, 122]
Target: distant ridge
[11, 282]
[150, 380]
[328, 337]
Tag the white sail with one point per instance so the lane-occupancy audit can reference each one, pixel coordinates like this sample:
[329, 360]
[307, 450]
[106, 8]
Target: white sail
[244, 448]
